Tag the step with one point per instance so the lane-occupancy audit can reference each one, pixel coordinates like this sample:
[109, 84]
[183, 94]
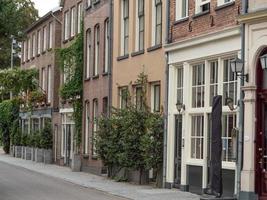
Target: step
[207, 197]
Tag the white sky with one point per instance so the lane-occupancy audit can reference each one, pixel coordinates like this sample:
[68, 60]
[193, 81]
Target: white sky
[44, 6]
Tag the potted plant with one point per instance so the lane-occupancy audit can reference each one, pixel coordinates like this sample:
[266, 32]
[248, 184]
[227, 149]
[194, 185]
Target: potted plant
[39, 152]
[47, 142]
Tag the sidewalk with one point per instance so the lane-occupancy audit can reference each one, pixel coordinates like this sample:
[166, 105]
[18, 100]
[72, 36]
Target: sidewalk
[100, 183]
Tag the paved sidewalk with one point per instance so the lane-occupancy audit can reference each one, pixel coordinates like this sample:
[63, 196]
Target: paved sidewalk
[126, 190]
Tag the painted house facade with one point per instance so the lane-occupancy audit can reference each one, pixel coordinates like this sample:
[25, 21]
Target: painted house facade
[97, 78]
[38, 52]
[204, 36]
[139, 34]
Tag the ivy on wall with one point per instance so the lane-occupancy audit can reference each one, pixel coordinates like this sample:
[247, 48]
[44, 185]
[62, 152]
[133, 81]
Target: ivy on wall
[71, 64]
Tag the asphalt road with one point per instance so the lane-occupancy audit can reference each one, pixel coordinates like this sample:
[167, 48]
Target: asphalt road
[20, 184]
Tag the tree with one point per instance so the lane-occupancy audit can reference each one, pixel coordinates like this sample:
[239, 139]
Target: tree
[15, 17]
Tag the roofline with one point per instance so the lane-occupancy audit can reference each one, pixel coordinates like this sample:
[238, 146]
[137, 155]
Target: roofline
[42, 19]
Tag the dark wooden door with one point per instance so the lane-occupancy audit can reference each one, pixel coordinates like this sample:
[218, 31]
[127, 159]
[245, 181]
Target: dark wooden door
[178, 151]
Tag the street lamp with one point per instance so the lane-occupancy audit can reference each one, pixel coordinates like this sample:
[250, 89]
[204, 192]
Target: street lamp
[264, 61]
[180, 107]
[237, 67]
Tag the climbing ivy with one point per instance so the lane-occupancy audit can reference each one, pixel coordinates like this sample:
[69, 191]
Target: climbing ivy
[71, 64]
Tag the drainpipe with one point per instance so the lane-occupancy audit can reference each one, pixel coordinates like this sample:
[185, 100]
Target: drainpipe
[166, 93]
[241, 112]
[110, 64]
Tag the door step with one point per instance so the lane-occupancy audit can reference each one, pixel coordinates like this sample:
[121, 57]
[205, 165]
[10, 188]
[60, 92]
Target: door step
[207, 197]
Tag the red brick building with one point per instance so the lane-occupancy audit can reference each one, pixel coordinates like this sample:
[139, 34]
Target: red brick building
[204, 36]
[97, 77]
[38, 51]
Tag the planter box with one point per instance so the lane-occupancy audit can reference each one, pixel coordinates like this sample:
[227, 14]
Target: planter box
[39, 155]
[47, 156]
[76, 163]
[28, 153]
[23, 152]
[12, 150]
[33, 154]
[134, 176]
[18, 151]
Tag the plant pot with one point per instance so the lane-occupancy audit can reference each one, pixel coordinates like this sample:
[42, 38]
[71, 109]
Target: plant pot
[76, 163]
[18, 151]
[12, 150]
[135, 176]
[28, 153]
[47, 156]
[39, 155]
[33, 154]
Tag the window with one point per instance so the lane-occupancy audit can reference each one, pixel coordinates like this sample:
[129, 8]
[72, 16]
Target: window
[39, 42]
[221, 2]
[89, 3]
[43, 79]
[124, 94]
[25, 129]
[87, 125]
[50, 35]
[95, 124]
[202, 6]
[229, 83]
[49, 84]
[197, 136]
[29, 49]
[72, 22]
[198, 86]
[181, 9]
[213, 80]
[180, 84]
[88, 55]
[66, 25]
[105, 106]
[106, 62]
[35, 125]
[44, 38]
[96, 56]
[139, 98]
[125, 27]
[140, 25]
[79, 17]
[157, 21]
[24, 50]
[228, 143]
[33, 45]
[156, 98]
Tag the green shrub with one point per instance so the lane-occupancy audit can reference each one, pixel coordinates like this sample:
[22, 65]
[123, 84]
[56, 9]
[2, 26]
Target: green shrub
[47, 136]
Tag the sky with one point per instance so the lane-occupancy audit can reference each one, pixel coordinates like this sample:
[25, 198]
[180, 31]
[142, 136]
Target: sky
[44, 6]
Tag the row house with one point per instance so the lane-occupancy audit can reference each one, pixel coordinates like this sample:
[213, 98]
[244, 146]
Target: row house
[254, 59]
[204, 36]
[138, 38]
[64, 129]
[38, 52]
[97, 78]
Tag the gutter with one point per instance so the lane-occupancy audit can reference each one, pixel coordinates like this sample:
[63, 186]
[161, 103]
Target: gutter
[167, 40]
[241, 113]
[110, 63]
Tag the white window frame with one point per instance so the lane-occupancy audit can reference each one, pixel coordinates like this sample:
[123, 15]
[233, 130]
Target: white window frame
[44, 38]
[87, 125]
[124, 35]
[79, 17]
[222, 2]
[50, 44]
[66, 25]
[154, 23]
[153, 97]
[140, 15]
[121, 97]
[43, 79]
[39, 42]
[199, 4]
[33, 45]
[88, 53]
[29, 49]
[95, 124]
[96, 49]
[72, 21]
[49, 84]
[180, 9]
[89, 3]
[107, 50]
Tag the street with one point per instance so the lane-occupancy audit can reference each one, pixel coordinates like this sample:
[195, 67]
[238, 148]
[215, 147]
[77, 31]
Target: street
[20, 184]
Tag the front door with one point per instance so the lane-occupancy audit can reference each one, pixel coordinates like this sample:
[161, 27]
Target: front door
[178, 151]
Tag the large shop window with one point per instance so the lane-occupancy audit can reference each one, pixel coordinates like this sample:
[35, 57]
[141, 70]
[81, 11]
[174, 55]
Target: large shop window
[198, 86]
[197, 136]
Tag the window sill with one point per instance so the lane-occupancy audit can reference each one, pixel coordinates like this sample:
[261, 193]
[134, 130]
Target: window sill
[88, 7]
[65, 41]
[137, 53]
[87, 79]
[104, 73]
[224, 5]
[122, 57]
[155, 47]
[95, 77]
[181, 20]
[201, 14]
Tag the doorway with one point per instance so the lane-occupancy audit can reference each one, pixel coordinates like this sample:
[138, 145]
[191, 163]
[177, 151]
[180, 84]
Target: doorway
[178, 151]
